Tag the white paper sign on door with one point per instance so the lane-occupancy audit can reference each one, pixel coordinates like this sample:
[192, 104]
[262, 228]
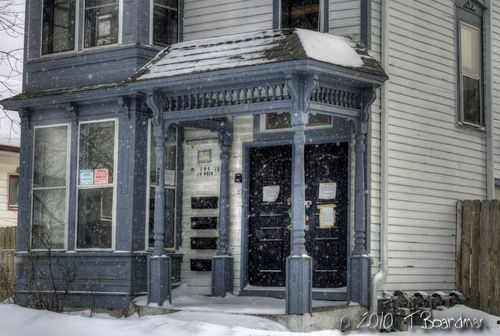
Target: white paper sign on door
[327, 191]
[327, 216]
[169, 177]
[270, 194]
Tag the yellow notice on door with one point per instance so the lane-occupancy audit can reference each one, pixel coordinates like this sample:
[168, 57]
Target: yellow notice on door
[327, 216]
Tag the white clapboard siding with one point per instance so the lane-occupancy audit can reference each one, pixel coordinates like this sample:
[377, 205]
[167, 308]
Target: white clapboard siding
[495, 54]
[344, 18]
[9, 162]
[195, 187]
[432, 162]
[210, 18]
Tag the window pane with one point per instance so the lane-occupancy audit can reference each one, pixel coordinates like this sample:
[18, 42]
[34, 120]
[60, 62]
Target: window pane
[319, 120]
[58, 28]
[97, 144]
[472, 100]
[276, 121]
[49, 218]
[300, 14]
[470, 51]
[50, 158]
[95, 217]
[13, 191]
[165, 22]
[101, 22]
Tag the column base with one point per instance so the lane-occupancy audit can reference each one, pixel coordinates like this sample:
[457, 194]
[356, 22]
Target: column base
[360, 280]
[298, 285]
[222, 275]
[159, 279]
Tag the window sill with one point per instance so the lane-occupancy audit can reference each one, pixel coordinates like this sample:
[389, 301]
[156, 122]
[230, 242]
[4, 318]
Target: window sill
[471, 128]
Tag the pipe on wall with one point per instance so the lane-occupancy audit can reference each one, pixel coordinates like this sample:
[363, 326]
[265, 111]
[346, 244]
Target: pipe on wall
[381, 275]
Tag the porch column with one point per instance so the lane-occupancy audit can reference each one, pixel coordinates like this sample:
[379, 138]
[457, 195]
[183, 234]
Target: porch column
[360, 260]
[222, 263]
[159, 264]
[299, 264]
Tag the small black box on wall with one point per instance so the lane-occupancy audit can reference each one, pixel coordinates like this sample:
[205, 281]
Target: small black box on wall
[201, 265]
[205, 202]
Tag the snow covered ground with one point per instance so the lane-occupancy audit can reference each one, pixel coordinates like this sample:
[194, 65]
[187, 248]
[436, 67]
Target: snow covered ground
[18, 321]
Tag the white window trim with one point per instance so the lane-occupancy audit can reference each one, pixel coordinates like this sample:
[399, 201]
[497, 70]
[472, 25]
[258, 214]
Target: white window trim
[68, 167]
[462, 120]
[114, 185]
[151, 27]
[76, 33]
[263, 129]
[148, 193]
[120, 29]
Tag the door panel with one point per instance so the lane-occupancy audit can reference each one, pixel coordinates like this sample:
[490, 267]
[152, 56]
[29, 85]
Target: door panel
[269, 218]
[269, 237]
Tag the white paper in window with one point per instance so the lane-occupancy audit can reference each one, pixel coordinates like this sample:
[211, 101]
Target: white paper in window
[327, 191]
[327, 216]
[270, 194]
[169, 177]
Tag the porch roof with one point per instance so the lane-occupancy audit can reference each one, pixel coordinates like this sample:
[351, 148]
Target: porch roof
[257, 48]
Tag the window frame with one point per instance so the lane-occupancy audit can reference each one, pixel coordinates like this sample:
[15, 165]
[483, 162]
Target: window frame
[148, 190]
[67, 189]
[262, 125]
[120, 28]
[324, 15]
[9, 204]
[151, 22]
[76, 32]
[114, 184]
[476, 21]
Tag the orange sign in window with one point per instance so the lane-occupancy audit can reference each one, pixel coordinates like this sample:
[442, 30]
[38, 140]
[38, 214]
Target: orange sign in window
[101, 176]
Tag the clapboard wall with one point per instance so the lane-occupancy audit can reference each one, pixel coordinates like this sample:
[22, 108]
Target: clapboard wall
[194, 187]
[9, 162]
[495, 71]
[210, 18]
[432, 161]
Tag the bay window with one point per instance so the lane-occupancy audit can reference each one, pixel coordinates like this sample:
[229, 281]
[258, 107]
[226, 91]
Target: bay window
[50, 181]
[170, 188]
[58, 26]
[96, 185]
[165, 22]
[101, 22]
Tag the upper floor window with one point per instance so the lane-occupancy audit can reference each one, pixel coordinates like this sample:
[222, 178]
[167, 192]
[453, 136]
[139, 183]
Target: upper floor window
[301, 14]
[165, 22]
[470, 63]
[101, 22]
[58, 26]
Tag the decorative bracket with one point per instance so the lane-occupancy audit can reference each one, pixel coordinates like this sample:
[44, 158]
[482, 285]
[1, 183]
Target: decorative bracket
[124, 103]
[24, 114]
[301, 87]
[71, 109]
[368, 96]
[155, 102]
[226, 132]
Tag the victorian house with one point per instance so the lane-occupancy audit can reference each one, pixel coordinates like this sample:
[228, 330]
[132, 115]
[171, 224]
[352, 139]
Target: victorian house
[310, 149]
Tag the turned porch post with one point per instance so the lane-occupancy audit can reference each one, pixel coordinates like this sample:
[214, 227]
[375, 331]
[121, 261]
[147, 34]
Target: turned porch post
[222, 263]
[159, 264]
[360, 260]
[299, 264]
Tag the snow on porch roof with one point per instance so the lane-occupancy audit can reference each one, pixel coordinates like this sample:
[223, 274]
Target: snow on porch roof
[257, 48]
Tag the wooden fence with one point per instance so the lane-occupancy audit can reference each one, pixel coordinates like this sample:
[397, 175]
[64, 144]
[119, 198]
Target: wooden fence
[7, 260]
[478, 257]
